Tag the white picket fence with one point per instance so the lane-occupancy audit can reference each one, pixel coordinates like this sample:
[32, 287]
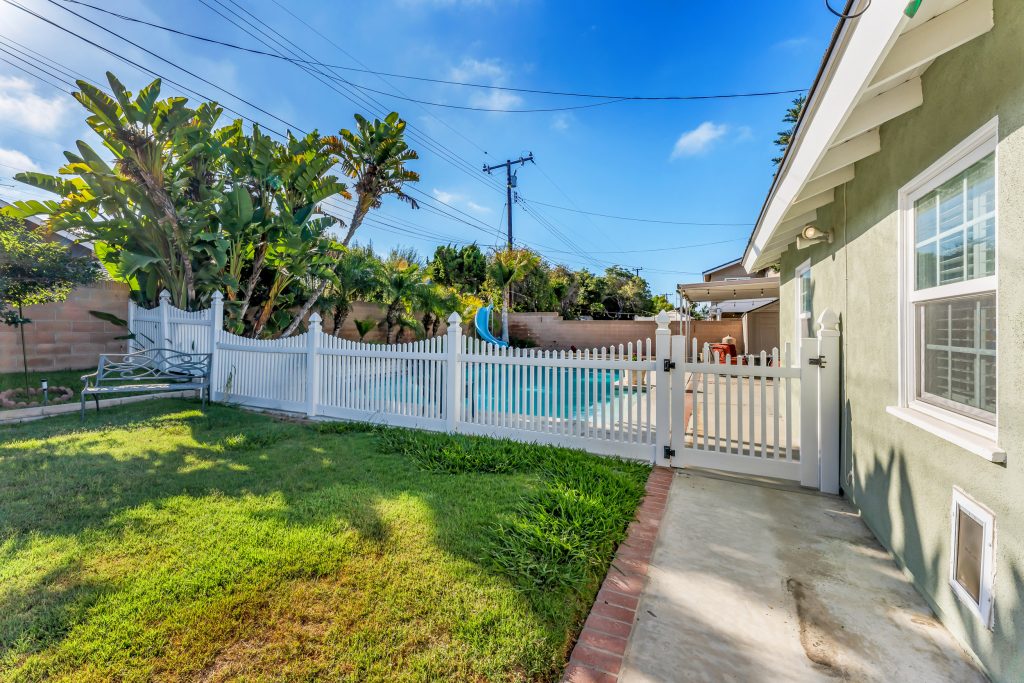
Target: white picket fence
[654, 400]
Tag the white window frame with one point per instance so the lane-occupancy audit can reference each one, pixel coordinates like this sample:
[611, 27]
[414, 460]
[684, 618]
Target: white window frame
[803, 328]
[980, 144]
[981, 514]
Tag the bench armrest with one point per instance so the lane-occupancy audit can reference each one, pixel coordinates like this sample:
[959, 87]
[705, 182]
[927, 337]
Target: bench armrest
[86, 379]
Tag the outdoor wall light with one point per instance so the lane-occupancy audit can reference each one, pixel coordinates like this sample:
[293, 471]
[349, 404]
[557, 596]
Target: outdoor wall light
[812, 235]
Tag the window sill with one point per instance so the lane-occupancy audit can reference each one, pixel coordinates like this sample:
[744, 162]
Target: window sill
[974, 443]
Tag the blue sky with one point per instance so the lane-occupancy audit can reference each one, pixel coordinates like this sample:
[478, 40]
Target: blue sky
[702, 162]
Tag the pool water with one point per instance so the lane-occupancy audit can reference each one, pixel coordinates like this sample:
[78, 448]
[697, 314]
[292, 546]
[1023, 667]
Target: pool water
[563, 395]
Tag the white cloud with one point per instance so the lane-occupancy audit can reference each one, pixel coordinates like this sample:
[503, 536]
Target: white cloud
[445, 197]
[487, 72]
[698, 140]
[561, 122]
[12, 161]
[21, 107]
[477, 208]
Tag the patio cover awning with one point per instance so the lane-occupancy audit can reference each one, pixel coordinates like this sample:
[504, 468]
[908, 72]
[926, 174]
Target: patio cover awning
[730, 290]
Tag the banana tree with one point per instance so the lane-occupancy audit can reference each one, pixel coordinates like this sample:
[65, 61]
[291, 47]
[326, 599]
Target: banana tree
[149, 212]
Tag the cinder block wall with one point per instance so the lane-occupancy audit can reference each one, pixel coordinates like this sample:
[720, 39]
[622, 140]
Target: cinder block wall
[63, 336]
[362, 310]
[550, 331]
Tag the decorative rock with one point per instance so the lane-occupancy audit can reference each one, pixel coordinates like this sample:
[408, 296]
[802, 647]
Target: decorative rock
[16, 398]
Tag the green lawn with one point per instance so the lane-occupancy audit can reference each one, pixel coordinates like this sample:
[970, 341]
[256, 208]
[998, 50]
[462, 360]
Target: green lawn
[157, 542]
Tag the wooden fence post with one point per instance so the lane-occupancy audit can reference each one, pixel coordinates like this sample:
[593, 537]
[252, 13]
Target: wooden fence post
[216, 315]
[312, 376]
[662, 387]
[165, 322]
[453, 374]
[828, 402]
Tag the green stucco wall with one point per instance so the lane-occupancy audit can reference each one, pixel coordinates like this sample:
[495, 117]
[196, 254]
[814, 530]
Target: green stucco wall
[900, 476]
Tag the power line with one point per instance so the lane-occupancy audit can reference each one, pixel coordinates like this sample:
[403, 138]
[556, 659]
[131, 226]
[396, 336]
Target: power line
[356, 98]
[638, 220]
[611, 99]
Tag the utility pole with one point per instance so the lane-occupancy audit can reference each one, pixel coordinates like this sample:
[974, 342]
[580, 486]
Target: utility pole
[510, 183]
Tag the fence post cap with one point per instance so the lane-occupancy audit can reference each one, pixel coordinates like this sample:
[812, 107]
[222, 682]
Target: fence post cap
[828, 323]
[454, 318]
[315, 318]
[662, 320]
[165, 296]
[217, 296]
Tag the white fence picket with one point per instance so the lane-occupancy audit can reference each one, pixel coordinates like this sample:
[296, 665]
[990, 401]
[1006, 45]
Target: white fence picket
[621, 400]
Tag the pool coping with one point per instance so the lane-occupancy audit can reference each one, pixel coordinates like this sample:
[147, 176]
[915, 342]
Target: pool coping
[599, 651]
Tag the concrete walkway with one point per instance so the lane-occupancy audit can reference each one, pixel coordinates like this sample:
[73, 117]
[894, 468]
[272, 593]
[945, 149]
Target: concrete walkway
[757, 582]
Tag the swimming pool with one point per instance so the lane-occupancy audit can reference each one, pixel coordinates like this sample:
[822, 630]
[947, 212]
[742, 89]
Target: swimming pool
[526, 390]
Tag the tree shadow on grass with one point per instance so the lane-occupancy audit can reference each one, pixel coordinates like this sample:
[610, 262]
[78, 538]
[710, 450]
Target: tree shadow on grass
[122, 473]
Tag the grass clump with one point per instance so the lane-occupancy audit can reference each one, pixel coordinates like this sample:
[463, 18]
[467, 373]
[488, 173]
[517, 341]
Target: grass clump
[560, 535]
[157, 541]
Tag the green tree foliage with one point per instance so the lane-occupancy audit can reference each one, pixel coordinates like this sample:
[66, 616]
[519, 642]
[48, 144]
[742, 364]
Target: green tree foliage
[508, 267]
[193, 208]
[357, 274]
[792, 116]
[464, 269]
[402, 282]
[659, 303]
[35, 270]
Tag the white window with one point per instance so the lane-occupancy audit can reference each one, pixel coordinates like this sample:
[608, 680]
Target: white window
[972, 555]
[948, 290]
[803, 301]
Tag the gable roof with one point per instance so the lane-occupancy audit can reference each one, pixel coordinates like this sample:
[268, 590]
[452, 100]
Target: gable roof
[871, 73]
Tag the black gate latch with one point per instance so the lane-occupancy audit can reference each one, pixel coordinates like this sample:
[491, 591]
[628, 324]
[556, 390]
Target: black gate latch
[669, 452]
[819, 361]
[669, 365]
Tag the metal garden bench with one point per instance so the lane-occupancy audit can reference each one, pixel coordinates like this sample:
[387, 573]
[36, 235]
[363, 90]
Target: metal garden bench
[149, 371]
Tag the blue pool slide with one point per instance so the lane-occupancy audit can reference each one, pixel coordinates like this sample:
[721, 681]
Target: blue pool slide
[483, 327]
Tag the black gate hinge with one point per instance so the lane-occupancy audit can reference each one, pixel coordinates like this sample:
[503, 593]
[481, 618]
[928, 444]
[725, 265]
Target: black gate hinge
[670, 452]
[669, 365]
[819, 361]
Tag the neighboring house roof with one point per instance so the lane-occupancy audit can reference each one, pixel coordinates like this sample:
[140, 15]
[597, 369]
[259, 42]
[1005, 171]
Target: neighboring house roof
[721, 266]
[731, 290]
[78, 248]
[871, 74]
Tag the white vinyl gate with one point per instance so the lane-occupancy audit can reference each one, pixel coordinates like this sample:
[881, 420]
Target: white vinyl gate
[758, 415]
[652, 400]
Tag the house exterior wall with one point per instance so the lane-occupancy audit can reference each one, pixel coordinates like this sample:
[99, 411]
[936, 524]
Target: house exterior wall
[900, 476]
[63, 336]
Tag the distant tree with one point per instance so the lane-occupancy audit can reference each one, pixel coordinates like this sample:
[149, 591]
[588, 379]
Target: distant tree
[625, 294]
[509, 266]
[402, 279]
[792, 116]
[356, 276]
[34, 270]
[660, 302]
[464, 269]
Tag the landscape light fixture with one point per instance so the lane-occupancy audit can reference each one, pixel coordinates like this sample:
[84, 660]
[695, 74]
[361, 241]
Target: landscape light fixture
[810, 234]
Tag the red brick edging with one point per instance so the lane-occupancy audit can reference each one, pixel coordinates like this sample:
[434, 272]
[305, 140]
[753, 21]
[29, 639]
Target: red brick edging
[597, 657]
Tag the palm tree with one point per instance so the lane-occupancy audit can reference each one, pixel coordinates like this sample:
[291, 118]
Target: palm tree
[363, 327]
[357, 276]
[436, 302]
[792, 116]
[374, 156]
[510, 266]
[401, 282]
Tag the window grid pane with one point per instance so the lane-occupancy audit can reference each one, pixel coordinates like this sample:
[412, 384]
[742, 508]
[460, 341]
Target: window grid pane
[958, 354]
[954, 228]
